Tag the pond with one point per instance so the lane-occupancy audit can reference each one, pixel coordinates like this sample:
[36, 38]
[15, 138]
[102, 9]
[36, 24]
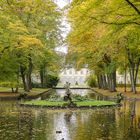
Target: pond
[21, 123]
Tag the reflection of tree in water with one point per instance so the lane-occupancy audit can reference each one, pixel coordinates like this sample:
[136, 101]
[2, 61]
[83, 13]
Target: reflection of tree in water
[132, 129]
[127, 125]
[70, 122]
[138, 123]
[68, 116]
[25, 124]
[98, 125]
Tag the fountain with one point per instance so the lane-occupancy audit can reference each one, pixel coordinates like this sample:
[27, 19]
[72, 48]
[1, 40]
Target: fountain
[67, 97]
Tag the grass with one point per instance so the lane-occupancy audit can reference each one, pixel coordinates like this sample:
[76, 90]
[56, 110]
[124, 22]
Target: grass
[62, 103]
[5, 91]
[44, 102]
[95, 103]
[128, 93]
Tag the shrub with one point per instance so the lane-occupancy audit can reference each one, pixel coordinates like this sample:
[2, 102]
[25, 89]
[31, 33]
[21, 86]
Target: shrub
[36, 85]
[77, 97]
[91, 81]
[51, 81]
[55, 97]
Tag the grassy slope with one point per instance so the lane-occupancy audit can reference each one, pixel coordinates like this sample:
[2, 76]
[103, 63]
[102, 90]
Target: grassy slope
[33, 92]
[60, 103]
[120, 89]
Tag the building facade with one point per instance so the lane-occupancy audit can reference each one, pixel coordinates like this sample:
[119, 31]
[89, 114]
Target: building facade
[73, 76]
[120, 78]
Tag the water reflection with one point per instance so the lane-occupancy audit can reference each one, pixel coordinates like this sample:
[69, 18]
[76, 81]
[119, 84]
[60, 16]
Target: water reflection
[82, 92]
[43, 124]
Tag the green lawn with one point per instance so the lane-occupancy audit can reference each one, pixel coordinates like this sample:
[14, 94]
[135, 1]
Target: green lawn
[61, 103]
[95, 103]
[7, 89]
[45, 102]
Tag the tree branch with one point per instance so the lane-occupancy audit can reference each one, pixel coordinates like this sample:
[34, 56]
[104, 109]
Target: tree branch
[133, 6]
[2, 51]
[115, 23]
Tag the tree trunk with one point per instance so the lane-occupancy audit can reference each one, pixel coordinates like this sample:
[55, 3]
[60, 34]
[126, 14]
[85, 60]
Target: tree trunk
[42, 76]
[108, 81]
[133, 86]
[114, 81]
[111, 78]
[98, 79]
[104, 81]
[25, 85]
[23, 77]
[30, 73]
[125, 80]
[12, 90]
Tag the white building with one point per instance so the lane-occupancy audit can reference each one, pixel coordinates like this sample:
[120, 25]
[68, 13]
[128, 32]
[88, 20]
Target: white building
[120, 78]
[73, 76]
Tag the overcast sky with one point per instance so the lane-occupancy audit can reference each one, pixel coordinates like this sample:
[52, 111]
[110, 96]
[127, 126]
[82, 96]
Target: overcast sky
[61, 4]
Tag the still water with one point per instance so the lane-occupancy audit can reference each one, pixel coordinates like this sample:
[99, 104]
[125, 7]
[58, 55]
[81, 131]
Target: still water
[21, 123]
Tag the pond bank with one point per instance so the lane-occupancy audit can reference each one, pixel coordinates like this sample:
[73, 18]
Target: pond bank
[35, 93]
[113, 95]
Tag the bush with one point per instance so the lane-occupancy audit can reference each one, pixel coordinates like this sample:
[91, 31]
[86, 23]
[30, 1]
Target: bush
[55, 97]
[36, 85]
[91, 81]
[77, 97]
[51, 81]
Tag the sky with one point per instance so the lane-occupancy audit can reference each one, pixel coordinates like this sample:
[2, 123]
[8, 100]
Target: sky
[61, 4]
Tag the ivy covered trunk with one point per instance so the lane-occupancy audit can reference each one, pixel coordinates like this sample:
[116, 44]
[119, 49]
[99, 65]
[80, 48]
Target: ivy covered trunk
[30, 73]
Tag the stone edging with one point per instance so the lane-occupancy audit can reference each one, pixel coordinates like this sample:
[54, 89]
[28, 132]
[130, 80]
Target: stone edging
[66, 107]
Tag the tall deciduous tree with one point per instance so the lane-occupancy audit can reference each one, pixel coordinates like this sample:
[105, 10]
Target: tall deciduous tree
[30, 29]
[105, 35]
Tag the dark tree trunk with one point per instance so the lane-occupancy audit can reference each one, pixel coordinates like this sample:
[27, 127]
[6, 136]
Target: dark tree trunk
[98, 79]
[114, 81]
[23, 76]
[125, 80]
[27, 83]
[111, 79]
[132, 77]
[108, 81]
[12, 90]
[104, 81]
[30, 73]
[133, 68]
[42, 76]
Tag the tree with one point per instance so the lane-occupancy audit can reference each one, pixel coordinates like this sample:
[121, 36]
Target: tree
[98, 28]
[31, 28]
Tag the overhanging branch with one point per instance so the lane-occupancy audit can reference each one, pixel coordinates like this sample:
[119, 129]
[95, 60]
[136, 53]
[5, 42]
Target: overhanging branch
[133, 6]
[115, 23]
